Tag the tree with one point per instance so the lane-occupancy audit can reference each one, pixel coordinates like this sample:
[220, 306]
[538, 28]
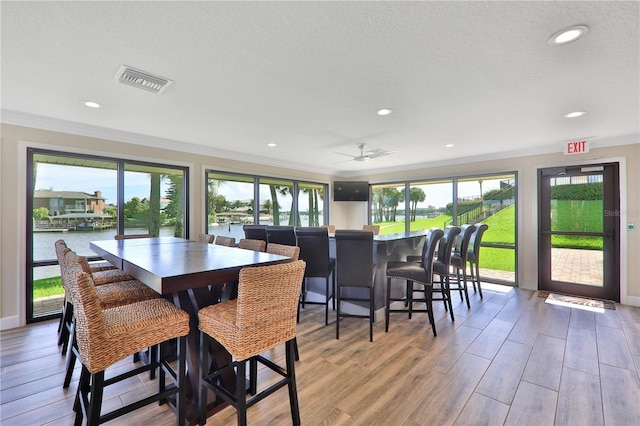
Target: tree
[41, 213]
[132, 207]
[175, 208]
[416, 195]
[154, 205]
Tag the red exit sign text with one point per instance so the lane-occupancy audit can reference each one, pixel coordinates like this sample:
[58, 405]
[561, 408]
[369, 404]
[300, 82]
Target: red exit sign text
[579, 147]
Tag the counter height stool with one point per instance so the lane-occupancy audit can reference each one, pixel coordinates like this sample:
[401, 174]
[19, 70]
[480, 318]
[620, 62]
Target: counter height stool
[255, 232]
[225, 241]
[420, 273]
[261, 318]
[110, 295]
[314, 250]
[105, 336]
[459, 261]
[473, 255]
[373, 228]
[205, 238]
[249, 244]
[355, 269]
[442, 267]
[282, 235]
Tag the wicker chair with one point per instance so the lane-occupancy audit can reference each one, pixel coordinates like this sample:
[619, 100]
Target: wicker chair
[261, 318]
[225, 241]
[205, 238]
[105, 336]
[414, 273]
[373, 228]
[284, 250]
[109, 295]
[255, 245]
[103, 275]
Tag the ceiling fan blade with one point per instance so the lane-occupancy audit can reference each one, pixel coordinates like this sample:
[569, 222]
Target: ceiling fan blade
[348, 155]
[379, 153]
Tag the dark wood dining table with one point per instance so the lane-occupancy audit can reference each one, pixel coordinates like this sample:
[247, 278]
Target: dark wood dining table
[186, 271]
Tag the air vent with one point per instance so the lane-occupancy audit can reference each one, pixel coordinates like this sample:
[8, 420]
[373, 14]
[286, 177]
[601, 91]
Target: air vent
[141, 79]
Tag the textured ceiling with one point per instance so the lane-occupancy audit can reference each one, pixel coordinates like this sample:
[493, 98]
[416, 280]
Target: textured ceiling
[310, 76]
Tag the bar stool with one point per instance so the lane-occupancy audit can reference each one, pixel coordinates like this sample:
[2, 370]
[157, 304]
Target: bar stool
[261, 318]
[249, 244]
[414, 273]
[105, 336]
[255, 232]
[282, 235]
[442, 267]
[473, 255]
[356, 270]
[109, 295]
[225, 241]
[459, 261]
[314, 250]
[205, 238]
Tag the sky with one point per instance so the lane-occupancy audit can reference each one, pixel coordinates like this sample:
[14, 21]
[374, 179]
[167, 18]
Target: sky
[66, 178]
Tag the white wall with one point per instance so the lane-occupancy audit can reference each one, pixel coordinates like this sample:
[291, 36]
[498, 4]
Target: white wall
[352, 215]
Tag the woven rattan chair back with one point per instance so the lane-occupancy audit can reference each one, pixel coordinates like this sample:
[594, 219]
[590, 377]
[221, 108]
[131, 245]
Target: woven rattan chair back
[373, 228]
[265, 310]
[255, 245]
[225, 241]
[284, 250]
[205, 238]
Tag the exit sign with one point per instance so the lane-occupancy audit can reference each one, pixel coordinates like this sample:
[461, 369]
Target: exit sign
[579, 147]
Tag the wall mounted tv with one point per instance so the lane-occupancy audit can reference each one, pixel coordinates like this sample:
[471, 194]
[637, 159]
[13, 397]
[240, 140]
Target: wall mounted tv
[350, 191]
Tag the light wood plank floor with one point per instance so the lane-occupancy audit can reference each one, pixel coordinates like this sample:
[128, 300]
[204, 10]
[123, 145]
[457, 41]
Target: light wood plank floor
[510, 359]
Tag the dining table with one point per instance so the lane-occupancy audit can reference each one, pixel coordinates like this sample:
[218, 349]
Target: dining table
[188, 273]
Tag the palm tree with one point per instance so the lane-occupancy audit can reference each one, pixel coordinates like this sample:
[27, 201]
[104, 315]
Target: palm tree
[416, 195]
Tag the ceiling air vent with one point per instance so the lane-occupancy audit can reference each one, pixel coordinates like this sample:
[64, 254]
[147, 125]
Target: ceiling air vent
[141, 79]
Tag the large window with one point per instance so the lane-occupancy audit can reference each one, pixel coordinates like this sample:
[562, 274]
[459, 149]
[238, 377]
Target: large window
[234, 200]
[81, 198]
[456, 201]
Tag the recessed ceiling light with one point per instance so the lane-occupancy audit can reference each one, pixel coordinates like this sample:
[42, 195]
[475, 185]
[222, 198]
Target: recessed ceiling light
[271, 144]
[91, 104]
[449, 145]
[385, 111]
[568, 35]
[574, 114]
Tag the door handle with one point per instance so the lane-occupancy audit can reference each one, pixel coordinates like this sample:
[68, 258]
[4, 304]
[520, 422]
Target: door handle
[610, 234]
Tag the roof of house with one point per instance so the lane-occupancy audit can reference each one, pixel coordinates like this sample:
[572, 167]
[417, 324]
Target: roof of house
[39, 193]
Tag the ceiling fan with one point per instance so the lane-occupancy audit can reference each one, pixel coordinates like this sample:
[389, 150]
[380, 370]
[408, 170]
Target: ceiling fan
[368, 155]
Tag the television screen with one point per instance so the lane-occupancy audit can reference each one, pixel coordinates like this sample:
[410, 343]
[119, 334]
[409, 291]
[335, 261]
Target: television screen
[350, 191]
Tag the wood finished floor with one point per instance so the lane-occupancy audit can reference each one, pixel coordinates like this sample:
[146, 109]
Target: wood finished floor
[511, 359]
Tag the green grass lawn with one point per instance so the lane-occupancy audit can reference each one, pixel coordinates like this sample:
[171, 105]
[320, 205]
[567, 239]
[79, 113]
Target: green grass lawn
[47, 287]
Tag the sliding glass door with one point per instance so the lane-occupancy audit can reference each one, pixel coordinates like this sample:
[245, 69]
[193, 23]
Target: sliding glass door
[81, 198]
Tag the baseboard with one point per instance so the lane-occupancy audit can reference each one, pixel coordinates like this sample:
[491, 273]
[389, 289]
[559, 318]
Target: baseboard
[631, 300]
[8, 323]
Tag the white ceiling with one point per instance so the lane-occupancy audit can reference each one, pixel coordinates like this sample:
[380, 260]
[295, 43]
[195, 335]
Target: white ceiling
[310, 76]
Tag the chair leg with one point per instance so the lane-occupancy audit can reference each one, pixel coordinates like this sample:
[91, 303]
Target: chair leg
[338, 314]
[447, 290]
[410, 297]
[464, 285]
[387, 306]
[204, 369]
[182, 382]
[295, 345]
[253, 376]
[428, 296]
[326, 302]
[371, 313]
[291, 376]
[241, 394]
[95, 403]
[478, 279]
[71, 360]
